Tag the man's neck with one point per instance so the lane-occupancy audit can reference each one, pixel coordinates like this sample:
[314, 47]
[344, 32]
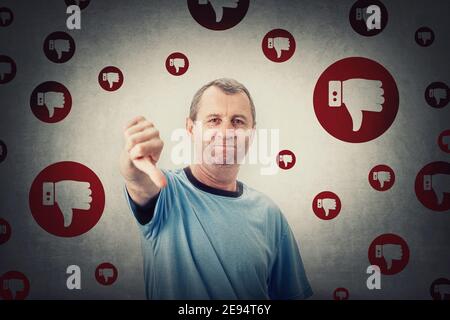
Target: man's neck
[223, 178]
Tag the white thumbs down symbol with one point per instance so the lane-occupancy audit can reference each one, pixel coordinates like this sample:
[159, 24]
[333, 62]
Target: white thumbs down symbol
[68, 195]
[382, 177]
[51, 100]
[341, 295]
[389, 252]
[219, 5]
[111, 77]
[327, 204]
[438, 183]
[286, 159]
[438, 94]
[106, 273]
[14, 285]
[177, 63]
[279, 44]
[358, 95]
[60, 46]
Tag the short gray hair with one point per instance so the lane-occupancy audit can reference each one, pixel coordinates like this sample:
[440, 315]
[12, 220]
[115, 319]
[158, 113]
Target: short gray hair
[228, 86]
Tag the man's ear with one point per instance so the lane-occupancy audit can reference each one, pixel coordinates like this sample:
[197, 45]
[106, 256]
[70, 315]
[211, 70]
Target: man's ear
[189, 126]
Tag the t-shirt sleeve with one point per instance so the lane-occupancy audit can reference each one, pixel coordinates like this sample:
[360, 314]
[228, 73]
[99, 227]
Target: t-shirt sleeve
[288, 279]
[151, 222]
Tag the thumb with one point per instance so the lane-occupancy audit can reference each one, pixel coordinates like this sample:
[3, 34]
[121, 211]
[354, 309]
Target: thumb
[327, 211]
[381, 183]
[278, 50]
[389, 263]
[157, 176]
[67, 214]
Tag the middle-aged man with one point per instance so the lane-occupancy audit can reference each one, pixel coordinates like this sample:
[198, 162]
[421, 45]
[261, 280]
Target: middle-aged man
[206, 235]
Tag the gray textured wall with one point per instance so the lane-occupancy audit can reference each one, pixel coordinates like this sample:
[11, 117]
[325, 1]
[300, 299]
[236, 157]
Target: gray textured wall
[137, 36]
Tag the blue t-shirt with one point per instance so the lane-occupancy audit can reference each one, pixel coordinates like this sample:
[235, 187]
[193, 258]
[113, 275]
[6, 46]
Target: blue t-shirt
[206, 243]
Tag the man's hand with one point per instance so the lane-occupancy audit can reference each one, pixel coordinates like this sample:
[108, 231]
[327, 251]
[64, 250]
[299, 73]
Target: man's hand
[143, 147]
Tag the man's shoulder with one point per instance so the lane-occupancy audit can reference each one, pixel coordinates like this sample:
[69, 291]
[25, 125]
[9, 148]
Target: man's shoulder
[262, 200]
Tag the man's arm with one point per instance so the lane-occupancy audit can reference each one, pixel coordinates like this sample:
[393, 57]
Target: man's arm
[142, 150]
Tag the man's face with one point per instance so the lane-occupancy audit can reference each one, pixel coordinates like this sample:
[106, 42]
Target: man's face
[223, 127]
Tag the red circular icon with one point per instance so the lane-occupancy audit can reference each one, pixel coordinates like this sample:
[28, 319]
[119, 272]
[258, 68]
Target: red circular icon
[286, 159]
[424, 36]
[341, 294]
[80, 3]
[389, 252]
[177, 64]
[356, 99]
[8, 69]
[110, 78]
[106, 274]
[67, 199]
[433, 186]
[278, 45]
[218, 14]
[59, 47]
[6, 17]
[326, 205]
[443, 141]
[14, 285]
[437, 95]
[368, 17]
[5, 231]
[440, 289]
[3, 151]
[50, 102]
[381, 177]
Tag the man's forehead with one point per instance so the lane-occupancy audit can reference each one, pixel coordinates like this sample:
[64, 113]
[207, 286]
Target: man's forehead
[215, 101]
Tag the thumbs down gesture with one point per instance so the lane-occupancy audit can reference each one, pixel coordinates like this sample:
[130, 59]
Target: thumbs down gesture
[439, 184]
[5, 17]
[279, 44]
[68, 195]
[438, 94]
[389, 252]
[358, 95]
[177, 63]
[15, 286]
[51, 100]
[111, 78]
[382, 177]
[327, 204]
[60, 46]
[106, 273]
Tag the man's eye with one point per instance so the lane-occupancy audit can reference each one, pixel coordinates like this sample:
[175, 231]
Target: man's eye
[238, 121]
[214, 120]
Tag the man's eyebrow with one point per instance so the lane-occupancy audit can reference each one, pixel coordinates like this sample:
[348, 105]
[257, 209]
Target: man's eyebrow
[213, 115]
[240, 116]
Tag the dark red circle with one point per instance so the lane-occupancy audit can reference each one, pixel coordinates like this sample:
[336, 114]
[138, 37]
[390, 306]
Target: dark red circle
[80, 3]
[443, 141]
[389, 252]
[49, 94]
[278, 45]
[357, 21]
[437, 95]
[432, 186]
[440, 289]
[110, 78]
[337, 294]
[381, 177]
[50, 217]
[59, 47]
[8, 69]
[6, 17]
[424, 36]
[3, 151]
[5, 231]
[320, 207]
[106, 274]
[211, 15]
[289, 163]
[173, 62]
[337, 121]
[14, 285]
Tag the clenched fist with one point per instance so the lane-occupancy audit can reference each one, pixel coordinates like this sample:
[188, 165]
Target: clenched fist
[143, 147]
